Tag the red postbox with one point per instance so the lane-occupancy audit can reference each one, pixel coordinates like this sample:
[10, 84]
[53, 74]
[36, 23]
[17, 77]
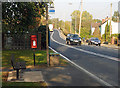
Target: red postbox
[33, 41]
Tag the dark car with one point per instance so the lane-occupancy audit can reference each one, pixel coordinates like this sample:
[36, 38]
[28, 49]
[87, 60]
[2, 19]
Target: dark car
[94, 41]
[73, 39]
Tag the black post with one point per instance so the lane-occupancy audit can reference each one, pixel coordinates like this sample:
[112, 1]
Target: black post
[17, 74]
[34, 56]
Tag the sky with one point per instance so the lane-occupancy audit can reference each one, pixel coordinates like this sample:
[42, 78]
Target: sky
[99, 9]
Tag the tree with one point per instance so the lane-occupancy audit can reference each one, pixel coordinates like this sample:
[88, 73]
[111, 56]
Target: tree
[75, 20]
[67, 27]
[106, 36]
[61, 24]
[97, 21]
[55, 22]
[86, 16]
[116, 16]
[97, 33]
[86, 22]
[21, 16]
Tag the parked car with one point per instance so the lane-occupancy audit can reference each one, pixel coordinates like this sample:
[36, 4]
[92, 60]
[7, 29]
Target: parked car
[73, 39]
[94, 41]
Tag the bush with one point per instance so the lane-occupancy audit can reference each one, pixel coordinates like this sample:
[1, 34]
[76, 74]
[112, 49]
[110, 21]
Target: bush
[42, 29]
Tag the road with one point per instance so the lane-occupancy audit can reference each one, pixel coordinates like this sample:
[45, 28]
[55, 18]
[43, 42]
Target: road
[100, 61]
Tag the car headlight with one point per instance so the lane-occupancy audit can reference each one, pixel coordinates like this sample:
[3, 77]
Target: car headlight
[71, 39]
[99, 41]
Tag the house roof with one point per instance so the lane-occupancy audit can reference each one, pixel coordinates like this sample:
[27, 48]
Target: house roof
[95, 24]
[104, 20]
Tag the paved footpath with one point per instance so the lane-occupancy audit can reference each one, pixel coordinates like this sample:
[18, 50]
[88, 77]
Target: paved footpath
[56, 76]
[67, 76]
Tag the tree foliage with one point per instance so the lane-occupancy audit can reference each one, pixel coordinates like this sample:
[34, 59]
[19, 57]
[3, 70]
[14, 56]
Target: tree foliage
[86, 16]
[55, 22]
[106, 36]
[21, 16]
[61, 24]
[87, 19]
[97, 21]
[86, 22]
[116, 16]
[96, 33]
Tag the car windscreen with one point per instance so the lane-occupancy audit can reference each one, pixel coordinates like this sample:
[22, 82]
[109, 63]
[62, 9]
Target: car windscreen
[96, 39]
[75, 36]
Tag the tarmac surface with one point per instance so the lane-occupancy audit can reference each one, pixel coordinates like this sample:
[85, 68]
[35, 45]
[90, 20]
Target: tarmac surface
[102, 67]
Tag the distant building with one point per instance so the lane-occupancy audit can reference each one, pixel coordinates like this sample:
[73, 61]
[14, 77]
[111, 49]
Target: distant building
[115, 27]
[94, 26]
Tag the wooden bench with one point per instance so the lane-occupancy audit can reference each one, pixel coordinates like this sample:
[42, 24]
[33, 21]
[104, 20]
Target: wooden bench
[17, 65]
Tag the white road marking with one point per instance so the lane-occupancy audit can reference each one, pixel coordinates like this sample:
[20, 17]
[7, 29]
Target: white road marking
[87, 72]
[89, 52]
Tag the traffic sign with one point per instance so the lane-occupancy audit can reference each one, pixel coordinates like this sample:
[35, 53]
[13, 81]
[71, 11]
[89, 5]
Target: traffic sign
[51, 11]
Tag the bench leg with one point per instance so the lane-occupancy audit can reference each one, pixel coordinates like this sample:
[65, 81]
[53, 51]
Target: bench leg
[17, 74]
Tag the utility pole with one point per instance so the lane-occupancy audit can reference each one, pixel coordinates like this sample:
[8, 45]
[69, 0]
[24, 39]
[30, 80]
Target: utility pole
[110, 19]
[70, 25]
[75, 20]
[80, 16]
[47, 48]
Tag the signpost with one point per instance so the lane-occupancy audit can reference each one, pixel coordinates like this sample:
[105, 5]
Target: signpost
[51, 10]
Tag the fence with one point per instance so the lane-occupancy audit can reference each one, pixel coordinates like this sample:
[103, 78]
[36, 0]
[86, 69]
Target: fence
[23, 40]
[16, 41]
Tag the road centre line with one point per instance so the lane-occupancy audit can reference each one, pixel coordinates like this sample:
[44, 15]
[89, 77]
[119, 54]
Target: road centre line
[84, 70]
[89, 52]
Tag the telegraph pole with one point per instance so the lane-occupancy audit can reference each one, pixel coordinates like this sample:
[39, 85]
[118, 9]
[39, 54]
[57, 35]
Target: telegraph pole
[47, 48]
[70, 26]
[75, 20]
[80, 16]
[110, 19]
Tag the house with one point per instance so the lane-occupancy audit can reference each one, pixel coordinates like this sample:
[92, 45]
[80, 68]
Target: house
[115, 26]
[94, 26]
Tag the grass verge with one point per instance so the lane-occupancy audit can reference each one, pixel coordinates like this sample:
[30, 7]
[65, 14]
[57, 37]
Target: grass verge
[24, 55]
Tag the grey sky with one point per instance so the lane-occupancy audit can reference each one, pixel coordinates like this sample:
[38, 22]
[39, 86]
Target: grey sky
[98, 8]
